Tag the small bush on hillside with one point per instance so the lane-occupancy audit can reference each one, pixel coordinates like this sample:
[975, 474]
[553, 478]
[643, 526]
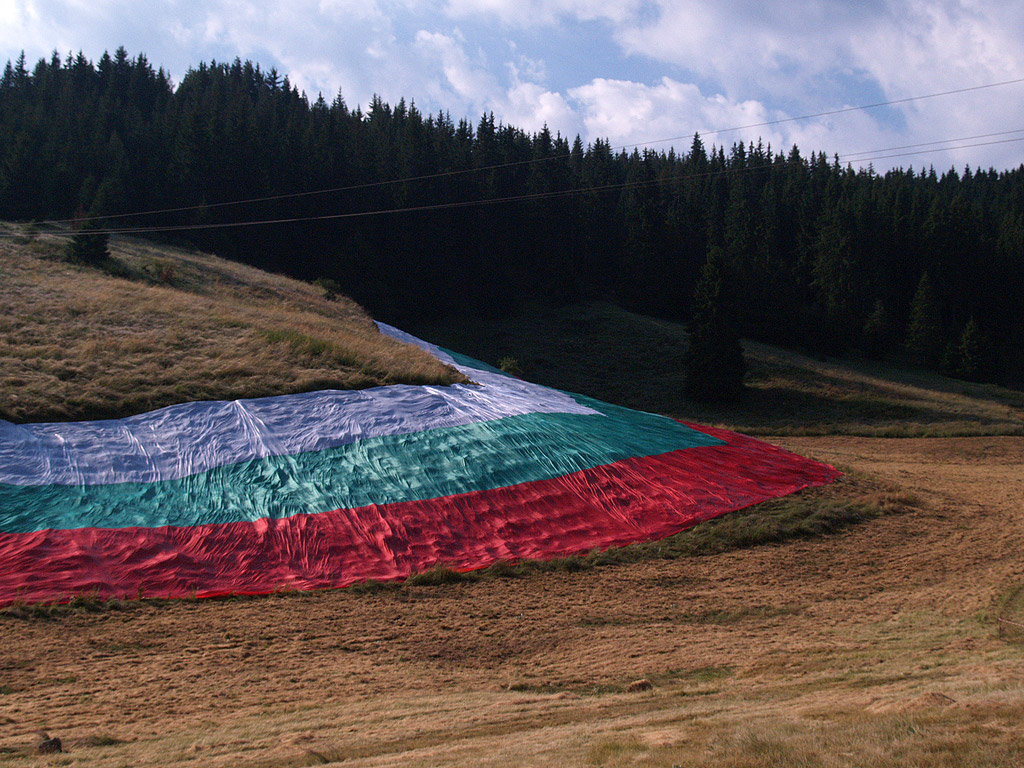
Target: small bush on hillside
[90, 245]
[330, 287]
[510, 365]
[162, 271]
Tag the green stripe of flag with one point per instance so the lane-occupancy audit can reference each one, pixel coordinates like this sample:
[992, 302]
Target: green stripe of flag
[382, 470]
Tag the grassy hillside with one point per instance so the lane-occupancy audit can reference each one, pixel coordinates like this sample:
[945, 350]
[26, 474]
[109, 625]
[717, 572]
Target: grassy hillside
[637, 361]
[161, 325]
[886, 646]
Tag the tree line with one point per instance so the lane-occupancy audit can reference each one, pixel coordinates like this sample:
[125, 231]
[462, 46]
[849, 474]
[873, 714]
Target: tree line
[814, 255]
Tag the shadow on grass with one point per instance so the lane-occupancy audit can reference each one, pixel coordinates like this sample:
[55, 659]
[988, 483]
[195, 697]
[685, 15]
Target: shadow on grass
[635, 361]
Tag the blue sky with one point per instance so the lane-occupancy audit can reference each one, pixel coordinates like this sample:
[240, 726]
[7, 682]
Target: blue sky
[632, 71]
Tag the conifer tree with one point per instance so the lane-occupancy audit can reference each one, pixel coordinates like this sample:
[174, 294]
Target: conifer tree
[965, 356]
[924, 329]
[875, 334]
[714, 357]
[90, 244]
[834, 281]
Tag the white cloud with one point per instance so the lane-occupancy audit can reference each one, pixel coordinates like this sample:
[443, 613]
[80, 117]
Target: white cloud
[753, 48]
[470, 82]
[9, 13]
[529, 13]
[628, 112]
[467, 82]
[24, 28]
[820, 56]
[530, 107]
[345, 11]
[944, 46]
[533, 69]
[663, 67]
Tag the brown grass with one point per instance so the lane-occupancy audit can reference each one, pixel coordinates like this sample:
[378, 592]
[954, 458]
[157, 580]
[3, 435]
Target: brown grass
[927, 733]
[173, 326]
[876, 646]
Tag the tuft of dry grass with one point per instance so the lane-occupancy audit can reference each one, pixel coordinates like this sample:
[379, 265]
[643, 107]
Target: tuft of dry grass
[930, 735]
[164, 326]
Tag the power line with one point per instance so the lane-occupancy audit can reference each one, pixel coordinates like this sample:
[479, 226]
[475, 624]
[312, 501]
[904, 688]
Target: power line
[524, 197]
[936, 149]
[447, 174]
[850, 155]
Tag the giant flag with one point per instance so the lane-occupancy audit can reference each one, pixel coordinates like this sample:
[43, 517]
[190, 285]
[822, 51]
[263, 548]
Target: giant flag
[326, 489]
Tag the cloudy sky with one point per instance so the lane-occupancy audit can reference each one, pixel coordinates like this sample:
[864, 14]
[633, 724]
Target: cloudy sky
[632, 71]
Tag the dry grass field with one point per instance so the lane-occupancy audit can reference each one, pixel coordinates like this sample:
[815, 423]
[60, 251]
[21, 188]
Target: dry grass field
[171, 326]
[877, 642]
[875, 646]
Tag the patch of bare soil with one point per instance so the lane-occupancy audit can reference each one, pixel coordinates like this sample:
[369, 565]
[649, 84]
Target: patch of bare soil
[875, 646]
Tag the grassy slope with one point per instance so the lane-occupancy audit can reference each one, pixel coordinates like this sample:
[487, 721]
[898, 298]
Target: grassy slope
[862, 692]
[208, 339]
[636, 361]
[85, 344]
[81, 343]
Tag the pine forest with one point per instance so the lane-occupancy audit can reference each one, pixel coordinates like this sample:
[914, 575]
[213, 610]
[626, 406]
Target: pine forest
[425, 216]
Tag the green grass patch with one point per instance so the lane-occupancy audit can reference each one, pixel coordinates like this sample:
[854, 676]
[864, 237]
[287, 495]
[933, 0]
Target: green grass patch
[579, 688]
[737, 615]
[305, 344]
[439, 575]
[709, 673]
[716, 617]
[76, 605]
[625, 749]
[1009, 615]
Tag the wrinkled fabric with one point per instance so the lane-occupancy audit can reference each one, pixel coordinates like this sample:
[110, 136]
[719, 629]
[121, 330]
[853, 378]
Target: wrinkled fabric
[187, 439]
[328, 489]
[413, 466]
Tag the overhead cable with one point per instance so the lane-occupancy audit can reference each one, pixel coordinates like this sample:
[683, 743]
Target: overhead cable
[536, 196]
[500, 166]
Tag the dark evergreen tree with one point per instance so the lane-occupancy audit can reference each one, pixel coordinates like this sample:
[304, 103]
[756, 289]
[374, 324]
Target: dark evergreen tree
[714, 357]
[876, 335]
[924, 330]
[835, 285]
[965, 357]
[90, 244]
